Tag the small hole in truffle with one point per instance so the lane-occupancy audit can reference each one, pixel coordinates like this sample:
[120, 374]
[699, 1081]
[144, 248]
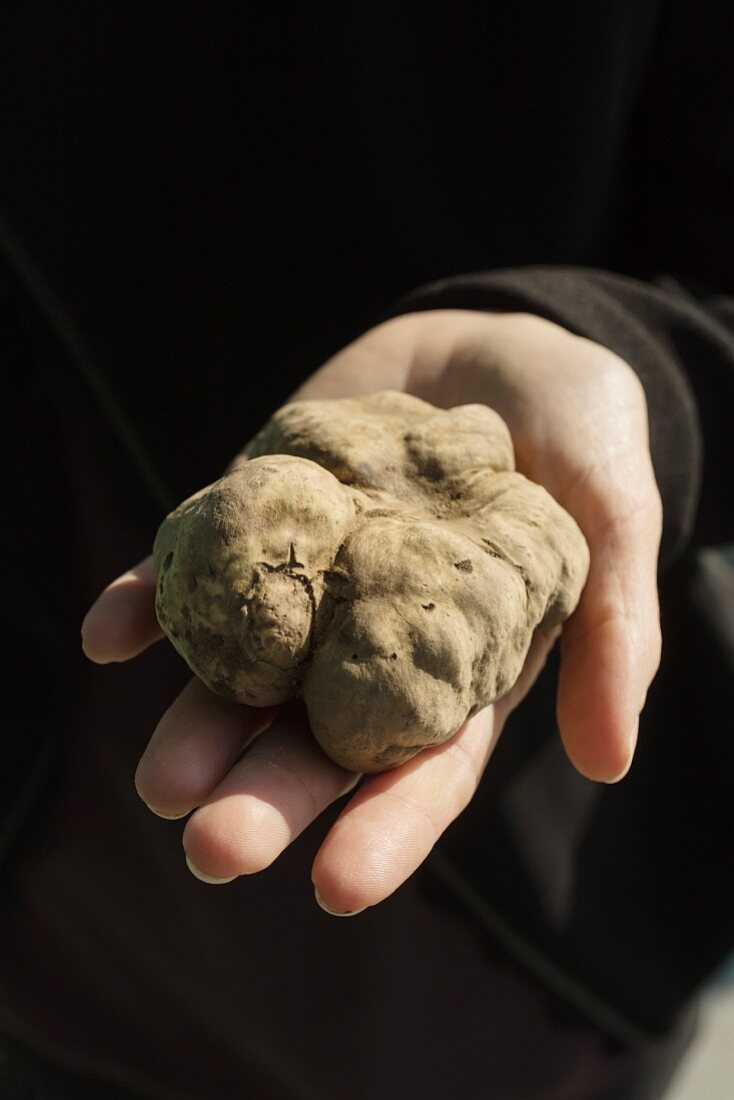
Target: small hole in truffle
[167, 561]
[428, 606]
[393, 656]
[464, 566]
[354, 657]
[431, 469]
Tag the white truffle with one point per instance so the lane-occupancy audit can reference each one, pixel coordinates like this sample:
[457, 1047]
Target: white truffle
[380, 558]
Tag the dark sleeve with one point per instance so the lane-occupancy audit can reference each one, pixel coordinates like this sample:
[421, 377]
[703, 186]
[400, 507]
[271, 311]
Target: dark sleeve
[682, 348]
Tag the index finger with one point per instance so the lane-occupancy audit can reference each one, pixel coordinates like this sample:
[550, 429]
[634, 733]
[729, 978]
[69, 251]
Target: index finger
[121, 623]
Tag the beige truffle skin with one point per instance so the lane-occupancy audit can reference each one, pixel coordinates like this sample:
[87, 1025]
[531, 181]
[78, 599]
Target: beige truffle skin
[380, 558]
[240, 570]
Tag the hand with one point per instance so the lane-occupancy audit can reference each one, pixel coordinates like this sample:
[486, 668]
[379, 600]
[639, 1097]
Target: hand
[578, 418]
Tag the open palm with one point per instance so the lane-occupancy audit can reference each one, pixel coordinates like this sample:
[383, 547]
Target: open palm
[579, 422]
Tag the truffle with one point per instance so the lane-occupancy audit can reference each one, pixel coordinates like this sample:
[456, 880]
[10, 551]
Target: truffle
[379, 558]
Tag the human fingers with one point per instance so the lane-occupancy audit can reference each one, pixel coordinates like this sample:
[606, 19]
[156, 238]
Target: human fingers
[285, 781]
[610, 647]
[121, 623]
[266, 799]
[389, 827]
[195, 743]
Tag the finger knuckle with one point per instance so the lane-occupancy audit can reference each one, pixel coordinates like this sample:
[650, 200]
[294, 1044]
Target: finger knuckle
[629, 384]
[611, 373]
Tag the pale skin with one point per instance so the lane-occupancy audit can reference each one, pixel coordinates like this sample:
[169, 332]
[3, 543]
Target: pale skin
[578, 418]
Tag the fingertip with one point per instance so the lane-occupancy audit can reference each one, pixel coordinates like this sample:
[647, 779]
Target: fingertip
[167, 814]
[117, 628]
[600, 767]
[104, 632]
[601, 692]
[600, 743]
[342, 881]
[336, 912]
[366, 857]
[235, 837]
[90, 643]
[627, 755]
[338, 892]
[122, 622]
[210, 880]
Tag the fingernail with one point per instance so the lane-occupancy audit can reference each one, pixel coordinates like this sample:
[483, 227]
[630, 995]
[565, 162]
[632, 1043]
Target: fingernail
[166, 817]
[207, 878]
[336, 912]
[159, 813]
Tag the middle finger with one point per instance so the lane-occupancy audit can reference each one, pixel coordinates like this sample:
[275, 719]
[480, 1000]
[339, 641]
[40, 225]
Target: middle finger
[271, 795]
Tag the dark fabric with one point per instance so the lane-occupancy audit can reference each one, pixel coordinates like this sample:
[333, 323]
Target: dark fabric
[24, 1075]
[207, 200]
[222, 194]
